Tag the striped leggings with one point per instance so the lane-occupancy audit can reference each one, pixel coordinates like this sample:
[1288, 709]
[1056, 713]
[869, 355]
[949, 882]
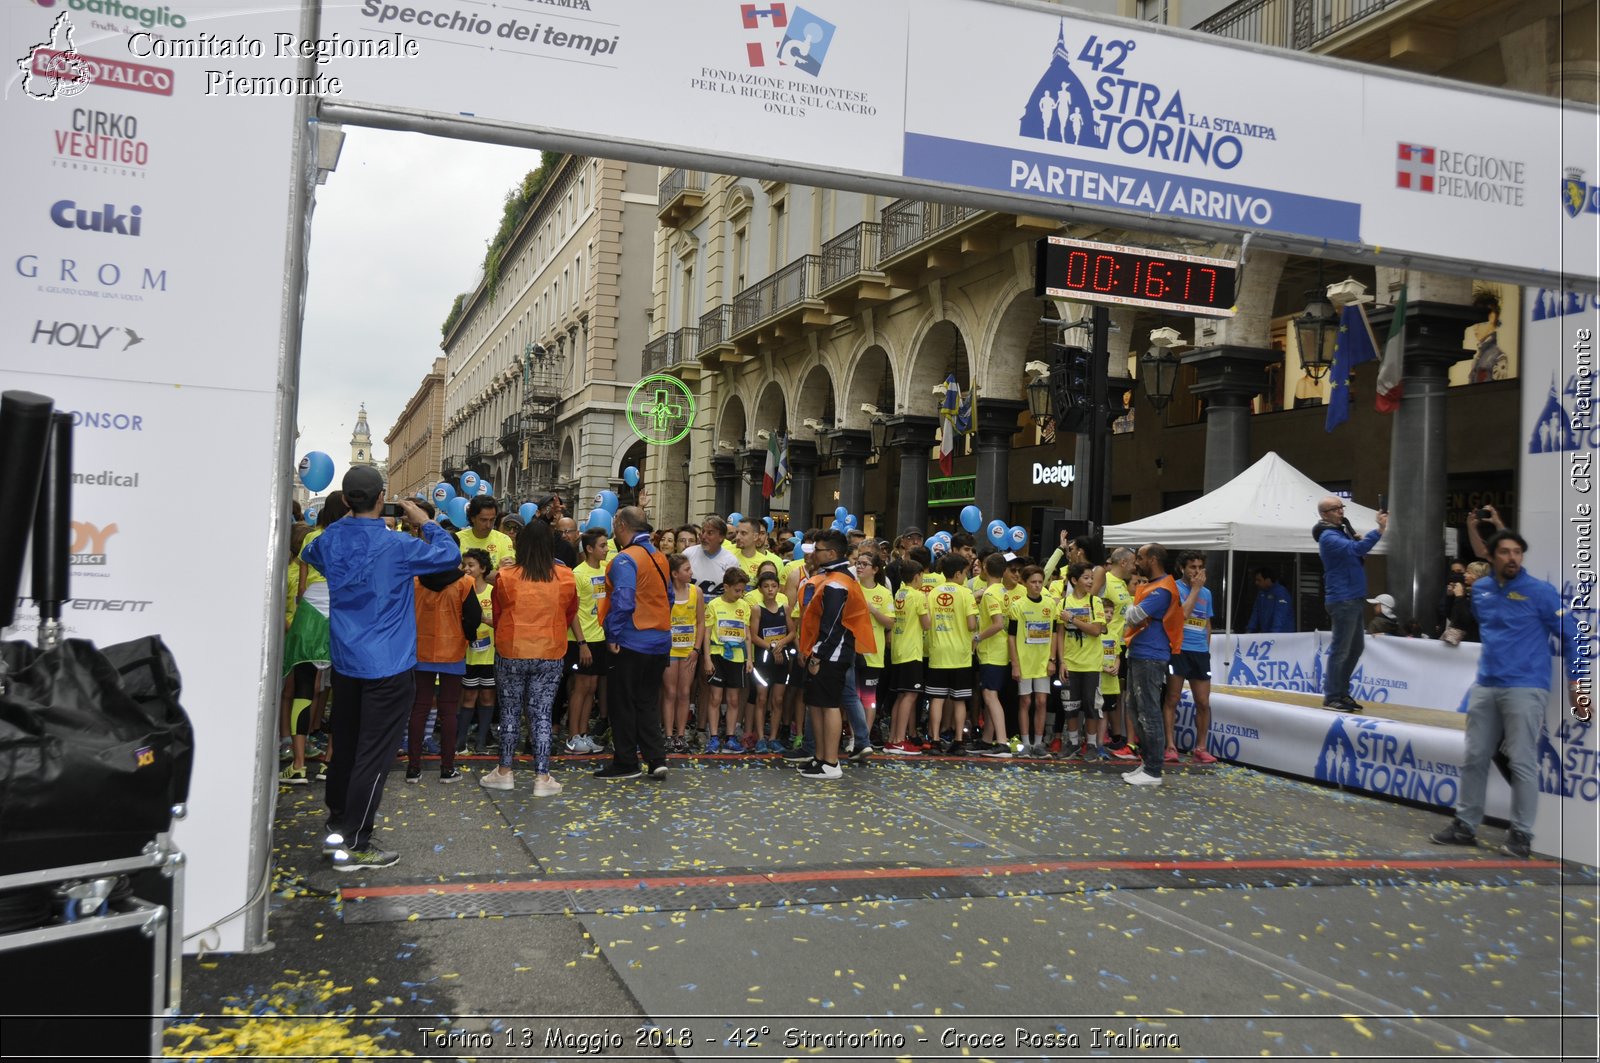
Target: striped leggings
[526, 686]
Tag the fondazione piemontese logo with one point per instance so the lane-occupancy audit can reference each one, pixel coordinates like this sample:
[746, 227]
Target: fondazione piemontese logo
[777, 39]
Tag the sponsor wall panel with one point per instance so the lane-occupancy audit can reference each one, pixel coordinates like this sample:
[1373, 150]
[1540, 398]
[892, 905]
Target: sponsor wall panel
[144, 241]
[1418, 672]
[820, 82]
[1556, 501]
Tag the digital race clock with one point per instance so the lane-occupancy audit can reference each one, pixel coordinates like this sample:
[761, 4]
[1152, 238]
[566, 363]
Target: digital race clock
[1134, 276]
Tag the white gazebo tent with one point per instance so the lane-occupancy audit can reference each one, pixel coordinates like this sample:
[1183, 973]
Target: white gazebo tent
[1270, 508]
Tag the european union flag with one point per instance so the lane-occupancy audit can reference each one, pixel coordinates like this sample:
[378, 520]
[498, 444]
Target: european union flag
[1353, 346]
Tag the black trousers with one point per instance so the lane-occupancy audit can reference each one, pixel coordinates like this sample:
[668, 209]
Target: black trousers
[632, 698]
[369, 718]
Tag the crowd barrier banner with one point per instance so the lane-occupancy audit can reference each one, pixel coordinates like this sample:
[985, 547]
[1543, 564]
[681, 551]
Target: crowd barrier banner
[1422, 673]
[145, 227]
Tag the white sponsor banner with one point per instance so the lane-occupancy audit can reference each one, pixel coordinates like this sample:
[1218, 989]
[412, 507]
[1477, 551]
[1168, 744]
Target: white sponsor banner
[820, 82]
[1366, 753]
[145, 228]
[1556, 499]
[1422, 673]
[1083, 111]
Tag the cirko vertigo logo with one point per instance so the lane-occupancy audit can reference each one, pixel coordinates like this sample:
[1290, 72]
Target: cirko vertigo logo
[101, 142]
[53, 69]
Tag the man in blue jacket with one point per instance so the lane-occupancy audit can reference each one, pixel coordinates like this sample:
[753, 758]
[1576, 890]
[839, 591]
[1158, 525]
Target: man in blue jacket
[372, 627]
[1517, 615]
[1345, 594]
[1273, 612]
[638, 626]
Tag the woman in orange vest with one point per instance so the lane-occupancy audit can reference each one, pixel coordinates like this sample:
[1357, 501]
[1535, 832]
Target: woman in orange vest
[534, 605]
[448, 615]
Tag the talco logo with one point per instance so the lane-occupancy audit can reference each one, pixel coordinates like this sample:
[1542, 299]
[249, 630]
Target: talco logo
[67, 214]
[1059, 473]
[54, 69]
[1577, 195]
[108, 280]
[89, 543]
[804, 44]
[1359, 755]
[86, 337]
[1566, 767]
[1459, 174]
[148, 17]
[97, 140]
[111, 73]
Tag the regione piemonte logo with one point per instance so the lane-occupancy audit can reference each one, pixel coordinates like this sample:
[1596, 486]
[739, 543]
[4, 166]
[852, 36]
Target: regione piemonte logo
[1416, 167]
[805, 41]
[53, 69]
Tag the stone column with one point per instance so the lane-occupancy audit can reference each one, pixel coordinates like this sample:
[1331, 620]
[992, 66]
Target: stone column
[852, 447]
[752, 464]
[997, 424]
[1084, 461]
[803, 464]
[914, 437]
[1417, 471]
[725, 472]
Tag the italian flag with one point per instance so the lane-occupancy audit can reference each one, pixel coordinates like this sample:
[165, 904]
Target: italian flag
[769, 475]
[1391, 371]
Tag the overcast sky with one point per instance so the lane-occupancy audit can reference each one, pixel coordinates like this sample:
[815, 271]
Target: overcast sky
[399, 230]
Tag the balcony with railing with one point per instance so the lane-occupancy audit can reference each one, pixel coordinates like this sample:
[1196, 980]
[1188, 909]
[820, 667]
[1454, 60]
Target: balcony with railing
[676, 351]
[480, 450]
[716, 337]
[782, 305]
[1298, 24]
[850, 275]
[917, 240]
[682, 193]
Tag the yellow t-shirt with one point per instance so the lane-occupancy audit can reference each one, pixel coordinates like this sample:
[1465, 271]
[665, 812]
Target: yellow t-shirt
[930, 580]
[481, 649]
[498, 544]
[992, 606]
[727, 628]
[880, 599]
[1118, 598]
[752, 565]
[1035, 622]
[950, 605]
[1080, 652]
[908, 644]
[685, 614]
[591, 583]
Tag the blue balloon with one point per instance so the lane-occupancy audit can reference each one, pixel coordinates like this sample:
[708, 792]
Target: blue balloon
[630, 476]
[609, 502]
[442, 494]
[456, 510]
[971, 518]
[841, 513]
[799, 550]
[997, 532]
[422, 495]
[316, 471]
[311, 515]
[850, 520]
[485, 488]
[600, 518]
[770, 523]
[526, 512]
[1018, 536]
[735, 518]
[469, 483]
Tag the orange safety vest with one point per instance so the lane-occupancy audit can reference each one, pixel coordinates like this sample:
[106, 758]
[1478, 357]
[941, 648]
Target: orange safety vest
[652, 609]
[1171, 620]
[440, 639]
[531, 617]
[856, 617]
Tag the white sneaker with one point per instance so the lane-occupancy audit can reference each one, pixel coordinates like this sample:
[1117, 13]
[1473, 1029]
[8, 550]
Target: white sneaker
[546, 787]
[577, 744]
[1139, 777]
[494, 780]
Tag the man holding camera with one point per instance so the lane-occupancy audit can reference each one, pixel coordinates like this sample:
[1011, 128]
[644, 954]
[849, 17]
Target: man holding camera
[372, 630]
[1345, 593]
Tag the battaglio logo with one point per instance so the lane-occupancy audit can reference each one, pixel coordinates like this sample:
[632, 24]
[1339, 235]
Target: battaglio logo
[1360, 755]
[148, 17]
[1117, 110]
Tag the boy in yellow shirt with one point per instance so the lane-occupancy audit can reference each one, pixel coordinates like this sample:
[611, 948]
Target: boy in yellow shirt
[1033, 658]
[952, 636]
[728, 660]
[993, 655]
[907, 653]
[1083, 621]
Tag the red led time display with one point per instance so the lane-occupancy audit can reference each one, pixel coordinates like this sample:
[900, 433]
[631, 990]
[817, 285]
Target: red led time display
[1134, 276]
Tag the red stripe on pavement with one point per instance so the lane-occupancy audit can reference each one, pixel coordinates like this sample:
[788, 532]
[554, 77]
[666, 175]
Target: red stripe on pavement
[982, 871]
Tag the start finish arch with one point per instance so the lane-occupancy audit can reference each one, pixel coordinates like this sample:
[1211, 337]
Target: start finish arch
[209, 130]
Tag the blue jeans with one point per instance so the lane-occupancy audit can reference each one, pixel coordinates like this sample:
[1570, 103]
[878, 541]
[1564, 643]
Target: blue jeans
[854, 711]
[1146, 689]
[1345, 649]
[1513, 715]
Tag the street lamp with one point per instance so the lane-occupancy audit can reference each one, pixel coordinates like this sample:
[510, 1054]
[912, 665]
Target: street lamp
[1039, 404]
[879, 425]
[1158, 367]
[1316, 332]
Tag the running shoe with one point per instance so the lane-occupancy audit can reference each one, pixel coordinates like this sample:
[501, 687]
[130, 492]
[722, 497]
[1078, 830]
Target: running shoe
[822, 772]
[1170, 756]
[292, 776]
[1200, 756]
[713, 744]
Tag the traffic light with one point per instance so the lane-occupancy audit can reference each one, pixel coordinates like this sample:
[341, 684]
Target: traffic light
[1074, 386]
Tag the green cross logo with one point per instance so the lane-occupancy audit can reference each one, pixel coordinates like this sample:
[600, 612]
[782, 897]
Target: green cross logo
[660, 410]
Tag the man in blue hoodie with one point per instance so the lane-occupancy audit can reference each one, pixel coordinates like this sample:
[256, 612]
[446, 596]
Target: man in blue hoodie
[372, 628]
[1345, 594]
[1518, 616]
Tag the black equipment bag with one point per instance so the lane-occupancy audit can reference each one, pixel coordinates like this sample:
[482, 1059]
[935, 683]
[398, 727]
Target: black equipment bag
[95, 750]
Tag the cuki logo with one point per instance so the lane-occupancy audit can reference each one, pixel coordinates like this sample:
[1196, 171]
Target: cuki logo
[68, 215]
[89, 542]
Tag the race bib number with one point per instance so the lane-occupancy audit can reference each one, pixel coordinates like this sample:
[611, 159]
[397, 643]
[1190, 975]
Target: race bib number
[599, 585]
[1038, 633]
[772, 632]
[730, 630]
[1110, 662]
[682, 636]
[481, 644]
